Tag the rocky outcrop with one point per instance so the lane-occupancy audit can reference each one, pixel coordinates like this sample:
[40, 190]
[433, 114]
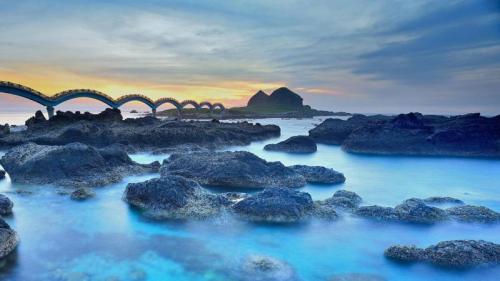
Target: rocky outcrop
[456, 253]
[8, 239]
[343, 199]
[296, 144]
[71, 165]
[468, 135]
[174, 197]
[262, 268]
[148, 133]
[4, 130]
[442, 200]
[275, 205]
[259, 99]
[281, 98]
[6, 205]
[468, 213]
[82, 194]
[319, 174]
[231, 169]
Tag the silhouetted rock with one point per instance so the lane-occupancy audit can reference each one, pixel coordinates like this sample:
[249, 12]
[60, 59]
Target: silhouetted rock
[8, 239]
[456, 253]
[282, 98]
[4, 130]
[72, 165]
[319, 174]
[6, 205]
[296, 144]
[275, 205]
[82, 194]
[468, 213]
[231, 169]
[174, 197]
[260, 99]
[38, 119]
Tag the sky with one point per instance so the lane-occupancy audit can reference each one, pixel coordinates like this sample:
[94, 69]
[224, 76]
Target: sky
[385, 56]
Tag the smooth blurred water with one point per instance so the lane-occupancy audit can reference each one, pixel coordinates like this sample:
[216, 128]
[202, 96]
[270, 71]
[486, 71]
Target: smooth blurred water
[103, 239]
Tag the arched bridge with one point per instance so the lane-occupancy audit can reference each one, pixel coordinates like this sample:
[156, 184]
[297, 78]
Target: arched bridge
[51, 101]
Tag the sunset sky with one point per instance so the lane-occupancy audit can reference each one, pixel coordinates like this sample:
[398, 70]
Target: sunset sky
[357, 56]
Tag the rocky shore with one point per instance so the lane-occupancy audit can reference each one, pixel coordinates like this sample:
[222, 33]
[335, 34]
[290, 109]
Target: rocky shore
[141, 134]
[470, 135]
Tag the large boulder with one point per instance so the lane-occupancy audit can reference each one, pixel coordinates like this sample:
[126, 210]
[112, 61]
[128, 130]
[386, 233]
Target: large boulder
[319, 174]
[72, 165]
[456, 253]
[231, 169]
[416, 211]
[6, 205]
[174, 197]
[468, 213]
[296, 144]
[275, 205]
[8, 239]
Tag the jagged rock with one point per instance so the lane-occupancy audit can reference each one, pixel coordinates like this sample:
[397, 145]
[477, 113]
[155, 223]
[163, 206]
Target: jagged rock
[296, 144]
[174, 197]
[468, 213]
[232, 169]
[82, 194]
[8, 239]
[262, 268]
[416, 211]
[6, 205]
[36, 120]
[344, 199]
[72, 165]
[319, 174]
[442, 200]
[456, 253]
[275, 205]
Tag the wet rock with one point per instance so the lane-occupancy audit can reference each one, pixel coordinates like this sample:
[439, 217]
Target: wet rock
[6, 205]
[319, 174]
[173, 197]
[296, 144]
[468, 213]
[82, 194]
[275, 205]
[72, 165]
[324, 211]
[456, 253]
[8, 239]
[344, 199]
[262, 268]
[377, 213]
[442, 200]
[231, 169]
[357, 277]
[416, 211]
[2, 174]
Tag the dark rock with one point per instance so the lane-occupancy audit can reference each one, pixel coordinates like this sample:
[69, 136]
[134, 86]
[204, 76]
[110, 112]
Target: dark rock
[232, 169]
[8, 239]
[377, 213]
[262, 268]
[442, 200]
[456, 253]
[36, 120]
[6, 205]
[296, 144]
[275, 205]
[4, 130]
[82, 194]
[416, 211]
[2, 174]
[72, 165]
[344, 199]
[284, 97]
[468, 213]
[260, 99]
[319, 174]
[174, 197]
[324, 211]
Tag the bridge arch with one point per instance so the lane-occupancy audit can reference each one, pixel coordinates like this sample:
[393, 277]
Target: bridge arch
[83, 93]
[140, 98]
[219, 106]
[25, 92]
[190, 102]
[206, 104]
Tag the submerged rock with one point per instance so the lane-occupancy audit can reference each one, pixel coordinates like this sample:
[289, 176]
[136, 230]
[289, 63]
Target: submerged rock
[416, 211]
[456, 253]
[343, 199]
[468, 213]
[231, 169]
[356, 277]
[82, 194]
[377, 213]
[275, 205]
[296, 144]
[72, 165]
[8, 239]
[442, 200]
[262, 268]
[6, 205]
[319, 174]
[173, 197]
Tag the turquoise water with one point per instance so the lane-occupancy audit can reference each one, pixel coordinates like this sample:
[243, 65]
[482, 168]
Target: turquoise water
[103, 239]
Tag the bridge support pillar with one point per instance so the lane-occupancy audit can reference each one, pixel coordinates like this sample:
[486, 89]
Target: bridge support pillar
[50, 111]
[154, 112]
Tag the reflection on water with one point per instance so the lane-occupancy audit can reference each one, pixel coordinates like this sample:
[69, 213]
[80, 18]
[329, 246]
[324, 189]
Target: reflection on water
[103, 239]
